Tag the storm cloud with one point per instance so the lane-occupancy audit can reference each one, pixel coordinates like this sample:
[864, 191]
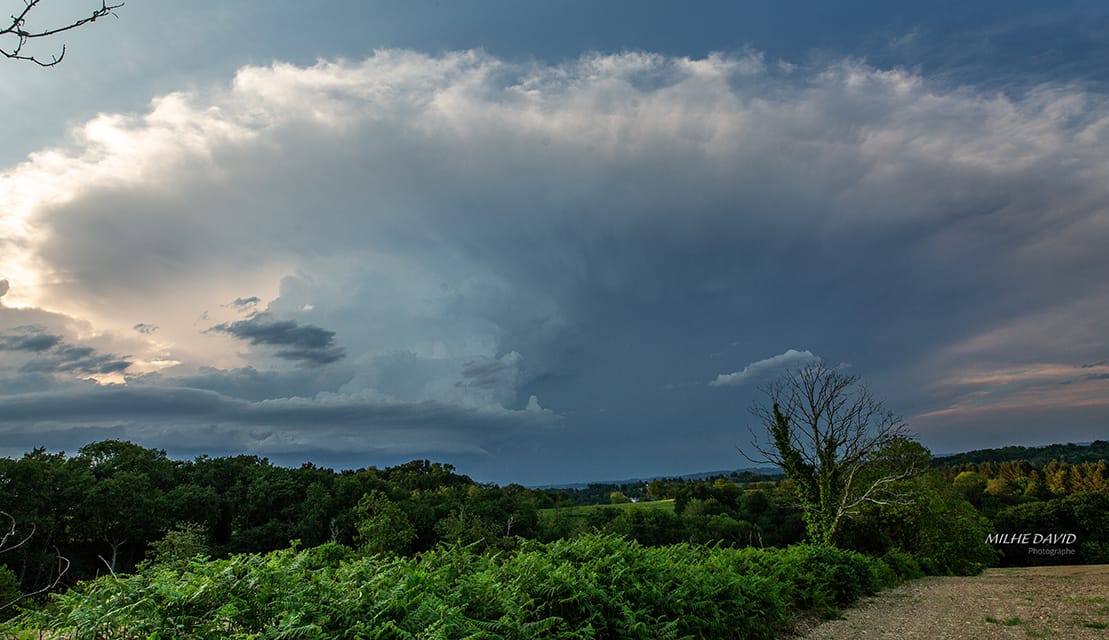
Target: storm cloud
[490, 241]
[50, 354]
[307, 344]
[33, 339]
[73, 359]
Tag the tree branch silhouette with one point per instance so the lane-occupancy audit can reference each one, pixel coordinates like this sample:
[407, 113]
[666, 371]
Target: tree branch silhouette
[22, 33]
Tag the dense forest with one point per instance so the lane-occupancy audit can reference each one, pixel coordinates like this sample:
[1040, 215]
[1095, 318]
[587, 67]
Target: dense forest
[134, 517]
[1072, 453]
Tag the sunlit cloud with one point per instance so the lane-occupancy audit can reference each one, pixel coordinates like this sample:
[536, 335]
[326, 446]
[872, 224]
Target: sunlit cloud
[764, 370]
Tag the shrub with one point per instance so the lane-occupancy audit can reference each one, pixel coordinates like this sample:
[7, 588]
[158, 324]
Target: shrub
[816, 577]
[595, 586]
[181, 543]
[904, 566]
[9, 592]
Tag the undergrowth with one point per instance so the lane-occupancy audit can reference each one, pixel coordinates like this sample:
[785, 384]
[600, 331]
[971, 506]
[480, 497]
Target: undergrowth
[593, 587]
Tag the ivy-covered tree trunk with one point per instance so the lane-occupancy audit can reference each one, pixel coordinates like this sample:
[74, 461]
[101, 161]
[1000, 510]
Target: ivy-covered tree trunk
[818, 488]
[838, 444]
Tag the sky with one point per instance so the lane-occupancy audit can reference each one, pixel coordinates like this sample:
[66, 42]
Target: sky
[550, 242]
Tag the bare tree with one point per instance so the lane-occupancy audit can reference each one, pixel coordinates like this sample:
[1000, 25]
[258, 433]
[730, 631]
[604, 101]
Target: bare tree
[19, 33]
[840, 445]
[11, 540]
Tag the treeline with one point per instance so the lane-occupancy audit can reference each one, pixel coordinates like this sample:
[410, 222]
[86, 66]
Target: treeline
[635, 490]
[954, 506]
[1023, 477]
[1071, 453]
[689, 511]
[934, 524]
[1033, 496]
[107, 508]
[102, 509]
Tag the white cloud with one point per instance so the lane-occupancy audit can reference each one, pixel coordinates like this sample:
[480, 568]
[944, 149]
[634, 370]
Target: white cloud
[765, 369]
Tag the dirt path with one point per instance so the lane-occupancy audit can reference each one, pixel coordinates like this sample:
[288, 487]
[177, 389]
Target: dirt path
[1032, 602]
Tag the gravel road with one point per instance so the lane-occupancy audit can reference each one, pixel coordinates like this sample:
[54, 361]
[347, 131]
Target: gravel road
[1028, 602]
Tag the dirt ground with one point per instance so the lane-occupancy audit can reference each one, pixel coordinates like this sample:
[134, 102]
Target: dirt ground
[1026, 602]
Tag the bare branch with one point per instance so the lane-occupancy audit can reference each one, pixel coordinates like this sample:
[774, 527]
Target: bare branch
[22, 34]
[4, 546]
[63, 568]
[107, 564]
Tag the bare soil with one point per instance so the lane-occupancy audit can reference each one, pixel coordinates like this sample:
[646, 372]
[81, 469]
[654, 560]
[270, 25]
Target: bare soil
[1027, 602]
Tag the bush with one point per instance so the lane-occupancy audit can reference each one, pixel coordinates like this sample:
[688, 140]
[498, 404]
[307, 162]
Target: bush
[595, 586]
[904, 566]
[9, 592]
[938, 527]
[819, 578]
[180, 544]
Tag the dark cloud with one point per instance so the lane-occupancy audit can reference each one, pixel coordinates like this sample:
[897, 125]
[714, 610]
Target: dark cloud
[176, 417]
[33, 339]
[246, 302]
[487, 375]
[79, 360]
[51, 354]
[248, 383]
[145, 328]
[307, 344]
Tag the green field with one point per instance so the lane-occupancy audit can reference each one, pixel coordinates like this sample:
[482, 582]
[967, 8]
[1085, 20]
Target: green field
[582, 512]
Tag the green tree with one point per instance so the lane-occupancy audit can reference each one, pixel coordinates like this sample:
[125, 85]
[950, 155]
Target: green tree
[837, 442]
[9, 592]
[938, 526]
[44, 493]
[125, 506]
[618, 497]
[182, 543]
[382, 526]
[468, 529]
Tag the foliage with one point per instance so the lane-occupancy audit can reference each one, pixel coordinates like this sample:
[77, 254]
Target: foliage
[382, 526]
[467, 529]
[754, 518]
[180, 544]
[817, 577]
[938, 527]
[117, 499]
[1069, 453]
[9, 592]
[1086, 515]
[640, 490]
[110, 503]
[590, 587]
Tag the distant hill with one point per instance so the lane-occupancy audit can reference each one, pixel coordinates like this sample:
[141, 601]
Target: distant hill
[753, 474]
[1070, 452]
